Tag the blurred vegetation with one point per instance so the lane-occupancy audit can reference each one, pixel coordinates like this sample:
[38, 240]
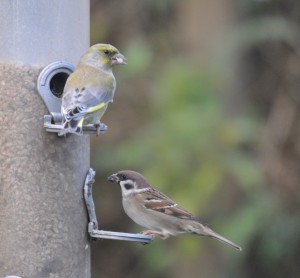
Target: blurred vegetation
[207, 109]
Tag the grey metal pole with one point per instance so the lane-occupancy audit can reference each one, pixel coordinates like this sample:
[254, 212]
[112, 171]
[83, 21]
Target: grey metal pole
[43, 220]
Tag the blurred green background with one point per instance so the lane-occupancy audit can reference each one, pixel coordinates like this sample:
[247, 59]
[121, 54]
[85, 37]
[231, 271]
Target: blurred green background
[207, 109]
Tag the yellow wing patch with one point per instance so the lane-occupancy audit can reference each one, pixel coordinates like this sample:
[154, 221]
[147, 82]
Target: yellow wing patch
[95, 108]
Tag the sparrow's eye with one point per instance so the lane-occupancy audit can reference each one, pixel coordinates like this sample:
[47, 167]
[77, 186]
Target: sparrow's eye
[123, 177]
[107, 52]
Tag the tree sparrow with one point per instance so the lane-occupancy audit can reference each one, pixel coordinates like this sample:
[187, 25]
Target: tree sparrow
[152, 209]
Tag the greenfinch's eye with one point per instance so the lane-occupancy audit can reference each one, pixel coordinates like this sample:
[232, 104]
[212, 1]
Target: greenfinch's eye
[107, 52]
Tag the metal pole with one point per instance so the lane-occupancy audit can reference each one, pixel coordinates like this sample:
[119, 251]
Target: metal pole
[43, 221]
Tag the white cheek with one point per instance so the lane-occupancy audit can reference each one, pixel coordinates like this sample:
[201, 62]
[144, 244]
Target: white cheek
[126, 192]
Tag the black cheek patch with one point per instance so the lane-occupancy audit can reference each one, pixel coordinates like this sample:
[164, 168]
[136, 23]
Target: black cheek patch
[128, 186]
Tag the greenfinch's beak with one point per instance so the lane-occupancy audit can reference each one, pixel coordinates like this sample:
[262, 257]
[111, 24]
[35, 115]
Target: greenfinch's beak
[118, 59]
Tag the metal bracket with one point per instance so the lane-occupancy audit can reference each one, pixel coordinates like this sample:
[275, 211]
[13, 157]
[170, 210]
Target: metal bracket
[93, 223]
[50, 85]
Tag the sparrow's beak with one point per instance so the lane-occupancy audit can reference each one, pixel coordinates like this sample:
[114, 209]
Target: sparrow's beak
[119, 59]
[113, 178]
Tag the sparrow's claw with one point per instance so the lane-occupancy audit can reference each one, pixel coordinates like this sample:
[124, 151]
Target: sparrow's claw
[151, 233]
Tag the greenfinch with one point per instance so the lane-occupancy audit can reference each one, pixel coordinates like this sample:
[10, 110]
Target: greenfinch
[90, 88]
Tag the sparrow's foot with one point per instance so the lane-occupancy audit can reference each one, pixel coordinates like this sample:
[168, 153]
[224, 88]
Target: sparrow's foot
[151, 233]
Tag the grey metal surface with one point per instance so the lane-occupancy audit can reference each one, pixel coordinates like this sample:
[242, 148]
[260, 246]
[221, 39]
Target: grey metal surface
[100, 234]
[42, 212]
[88, 198]
[40, 32]
[52, 102]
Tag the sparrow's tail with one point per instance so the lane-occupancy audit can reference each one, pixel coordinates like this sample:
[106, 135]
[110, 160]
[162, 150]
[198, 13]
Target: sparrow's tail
[205, 231]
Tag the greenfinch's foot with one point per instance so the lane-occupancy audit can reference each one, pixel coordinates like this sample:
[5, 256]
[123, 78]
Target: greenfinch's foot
[98, 128]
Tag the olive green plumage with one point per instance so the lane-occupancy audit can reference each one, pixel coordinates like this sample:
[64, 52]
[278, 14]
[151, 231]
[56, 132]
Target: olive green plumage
[90, 88]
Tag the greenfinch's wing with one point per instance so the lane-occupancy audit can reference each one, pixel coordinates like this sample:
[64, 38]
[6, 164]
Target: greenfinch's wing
[88, 100]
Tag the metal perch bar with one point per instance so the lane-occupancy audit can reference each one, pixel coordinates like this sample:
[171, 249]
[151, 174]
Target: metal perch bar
[57, 128]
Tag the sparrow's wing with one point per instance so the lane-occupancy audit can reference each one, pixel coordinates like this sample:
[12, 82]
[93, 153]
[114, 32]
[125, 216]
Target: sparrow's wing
[157, 201]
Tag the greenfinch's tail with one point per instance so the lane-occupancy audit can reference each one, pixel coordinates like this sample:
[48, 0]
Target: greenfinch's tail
[72, 126]
[73, 121]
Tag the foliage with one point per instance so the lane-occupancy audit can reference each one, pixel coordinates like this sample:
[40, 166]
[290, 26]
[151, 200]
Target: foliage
[204, 132]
